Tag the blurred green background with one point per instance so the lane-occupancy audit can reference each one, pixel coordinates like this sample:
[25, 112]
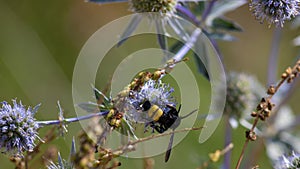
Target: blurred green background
[39, 44]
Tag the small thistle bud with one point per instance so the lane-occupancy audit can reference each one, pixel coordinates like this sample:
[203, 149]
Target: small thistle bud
[275, 11]
[262, 117]
[141, 74]
[267, 113]
[270, 105]
[156, 75]
[271, 90]
[290, 80]
[265, 107]
[132, 84]
[253, 114]
[298, 68]
[288, 70]
[161, 6]
[284, 75]
[214, 157]
[117, 123]
[18, 128]
[251, 135]
[260, 106]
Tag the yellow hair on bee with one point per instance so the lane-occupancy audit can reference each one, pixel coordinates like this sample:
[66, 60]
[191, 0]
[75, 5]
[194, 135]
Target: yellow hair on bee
[155, 112]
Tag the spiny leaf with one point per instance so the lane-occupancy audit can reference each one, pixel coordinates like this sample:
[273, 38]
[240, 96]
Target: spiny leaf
[161, 35]
[178, 28]
[89, 107]
[222, 7]
[132, 25]
[225, 24]
[35, 109]
[222, 36]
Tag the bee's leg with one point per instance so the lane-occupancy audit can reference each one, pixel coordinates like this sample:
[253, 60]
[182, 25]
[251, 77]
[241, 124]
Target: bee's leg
[160, 128]
[156, 127]
[153, 126]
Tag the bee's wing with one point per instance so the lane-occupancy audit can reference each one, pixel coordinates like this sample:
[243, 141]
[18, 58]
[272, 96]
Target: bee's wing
[168, 153]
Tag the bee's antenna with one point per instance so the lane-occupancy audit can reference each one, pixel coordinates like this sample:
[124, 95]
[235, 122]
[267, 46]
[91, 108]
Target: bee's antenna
[183, 117]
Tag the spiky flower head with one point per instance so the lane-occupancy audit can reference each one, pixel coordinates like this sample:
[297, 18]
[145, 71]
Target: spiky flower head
[243, 93]
[289, 162]
[275, 11]
[161, 6]
[18, 128]
[156, 92]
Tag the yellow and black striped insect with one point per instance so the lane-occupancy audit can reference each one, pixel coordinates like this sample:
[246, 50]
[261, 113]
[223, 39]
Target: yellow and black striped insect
[162, 120]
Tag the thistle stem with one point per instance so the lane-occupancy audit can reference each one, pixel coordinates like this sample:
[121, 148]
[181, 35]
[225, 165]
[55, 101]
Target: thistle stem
[273, 59]
[207, 10]
[228, 138]
[188, 14]
[283, 79]
[129, 146]
[188, 45]
[70, 120]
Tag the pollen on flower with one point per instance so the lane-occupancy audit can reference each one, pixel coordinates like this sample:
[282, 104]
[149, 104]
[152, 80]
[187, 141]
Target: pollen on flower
[275, 11]
[162, 6]
[18, 128]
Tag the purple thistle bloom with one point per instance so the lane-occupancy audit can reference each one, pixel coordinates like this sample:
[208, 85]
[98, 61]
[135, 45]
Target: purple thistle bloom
[156, 92]
[275, 11]
[289, 162]
[18, 128]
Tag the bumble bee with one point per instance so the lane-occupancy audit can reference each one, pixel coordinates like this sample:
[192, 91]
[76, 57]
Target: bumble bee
[162, 120]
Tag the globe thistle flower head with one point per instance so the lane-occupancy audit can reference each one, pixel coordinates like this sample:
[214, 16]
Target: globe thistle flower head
[289, 162]
[18, 128]
[161, 6]
[275, 11]
[243, 93]
[155, 92]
